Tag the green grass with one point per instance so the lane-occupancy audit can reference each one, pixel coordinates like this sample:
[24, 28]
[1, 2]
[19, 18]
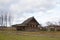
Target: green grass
[9, 35]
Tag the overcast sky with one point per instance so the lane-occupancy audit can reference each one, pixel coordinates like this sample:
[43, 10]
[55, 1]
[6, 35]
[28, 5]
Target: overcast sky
[42, 10]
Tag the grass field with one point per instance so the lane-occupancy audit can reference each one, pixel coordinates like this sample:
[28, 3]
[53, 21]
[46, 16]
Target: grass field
[19, 35]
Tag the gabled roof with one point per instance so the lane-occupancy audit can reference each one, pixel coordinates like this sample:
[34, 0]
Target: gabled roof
[28, 20]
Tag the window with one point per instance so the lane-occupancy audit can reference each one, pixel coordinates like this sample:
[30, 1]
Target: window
[32, 25]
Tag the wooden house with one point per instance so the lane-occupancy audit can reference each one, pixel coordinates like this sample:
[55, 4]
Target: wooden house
[53, 28]
[30, 24]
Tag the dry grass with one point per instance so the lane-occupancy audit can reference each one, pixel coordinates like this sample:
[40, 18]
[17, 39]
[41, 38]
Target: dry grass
[22, 35]
[12, 34]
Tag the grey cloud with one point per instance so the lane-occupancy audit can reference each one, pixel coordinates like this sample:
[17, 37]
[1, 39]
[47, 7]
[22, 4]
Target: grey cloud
[34, 5]
[23, 8]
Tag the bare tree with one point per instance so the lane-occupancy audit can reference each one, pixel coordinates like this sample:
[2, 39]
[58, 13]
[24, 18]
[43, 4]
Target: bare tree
[10, 19]
[1, 20]
[5, 18]
[49, 23]
[59, 22]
